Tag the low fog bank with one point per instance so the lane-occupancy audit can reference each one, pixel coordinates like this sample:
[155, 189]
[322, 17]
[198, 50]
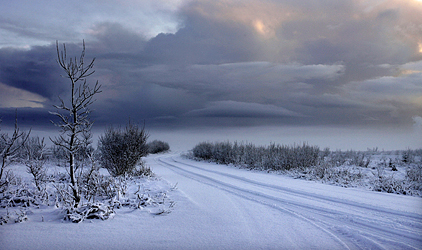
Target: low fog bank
[332, 137]
[183, 139]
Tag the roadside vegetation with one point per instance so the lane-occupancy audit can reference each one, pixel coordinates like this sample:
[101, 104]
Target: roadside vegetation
[398, 172]
[157, 146]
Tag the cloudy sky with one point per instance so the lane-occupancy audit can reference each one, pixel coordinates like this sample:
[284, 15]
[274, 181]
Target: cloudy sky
[223, 64]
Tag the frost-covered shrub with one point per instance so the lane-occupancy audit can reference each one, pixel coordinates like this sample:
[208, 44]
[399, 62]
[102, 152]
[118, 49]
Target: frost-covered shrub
[408, 156]
[142, 170]
[414, 172]
[410, 185]
[9, 180]
[345, 176]
[17, 217]
[360, 159]
[122, 149]
[156, 146]
[19, 194]
[390, 185]
[414, 177]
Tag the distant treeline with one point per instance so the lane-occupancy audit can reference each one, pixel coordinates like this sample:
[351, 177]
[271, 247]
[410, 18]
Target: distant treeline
[274, 156]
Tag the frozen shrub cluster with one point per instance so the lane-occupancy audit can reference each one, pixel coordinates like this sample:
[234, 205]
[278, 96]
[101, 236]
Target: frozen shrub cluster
[350, 157]
[345, 176]
[272, 157]
[17, 194]
[17, 216]
[89, 211]
[113, 193]
[410, 184]
[388, 183]
[121, 150]
[156, 146]
[100, 197]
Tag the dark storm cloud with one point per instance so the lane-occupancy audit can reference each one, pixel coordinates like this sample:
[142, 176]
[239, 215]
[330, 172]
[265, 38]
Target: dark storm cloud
[319, 62]
[33, 70]
[253, 81]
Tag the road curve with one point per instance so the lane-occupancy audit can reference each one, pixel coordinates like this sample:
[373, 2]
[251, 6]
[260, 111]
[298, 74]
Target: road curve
[276, 215]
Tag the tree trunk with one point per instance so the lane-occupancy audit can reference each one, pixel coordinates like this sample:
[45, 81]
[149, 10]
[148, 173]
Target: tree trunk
[75, 190]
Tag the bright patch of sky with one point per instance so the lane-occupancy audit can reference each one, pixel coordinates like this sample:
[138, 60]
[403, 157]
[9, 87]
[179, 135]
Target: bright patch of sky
[25, 23]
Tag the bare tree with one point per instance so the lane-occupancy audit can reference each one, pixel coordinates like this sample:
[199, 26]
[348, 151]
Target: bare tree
[9, 146]
[74, 117]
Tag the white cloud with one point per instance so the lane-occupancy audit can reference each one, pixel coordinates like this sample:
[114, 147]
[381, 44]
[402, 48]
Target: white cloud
[241, 109]
[11, 97]
[417, 121]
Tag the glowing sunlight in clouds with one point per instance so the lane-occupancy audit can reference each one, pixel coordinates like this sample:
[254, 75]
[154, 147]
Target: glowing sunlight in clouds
[262, 29]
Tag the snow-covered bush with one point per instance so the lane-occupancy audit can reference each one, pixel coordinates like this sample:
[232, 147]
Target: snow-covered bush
[203, 151]
[122, 149]
[156, 146]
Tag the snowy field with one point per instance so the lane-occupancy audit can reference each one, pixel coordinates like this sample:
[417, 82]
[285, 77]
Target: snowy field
[210, 206]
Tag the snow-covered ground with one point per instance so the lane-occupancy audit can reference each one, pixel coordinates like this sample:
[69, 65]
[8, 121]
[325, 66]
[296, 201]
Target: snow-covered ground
[222, 207]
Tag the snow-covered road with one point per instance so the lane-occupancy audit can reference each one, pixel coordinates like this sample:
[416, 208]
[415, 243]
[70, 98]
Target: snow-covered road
[223, 207]
[241, 209]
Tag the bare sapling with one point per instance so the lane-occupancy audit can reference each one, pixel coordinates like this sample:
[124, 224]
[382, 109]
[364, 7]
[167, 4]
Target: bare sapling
[74, 116]
[10, 146]
[35, 161]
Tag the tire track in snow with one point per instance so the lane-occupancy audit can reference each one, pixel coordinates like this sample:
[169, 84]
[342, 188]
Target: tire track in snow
[226, 187]
[360, 231]
[417, 218]
[407, 219]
